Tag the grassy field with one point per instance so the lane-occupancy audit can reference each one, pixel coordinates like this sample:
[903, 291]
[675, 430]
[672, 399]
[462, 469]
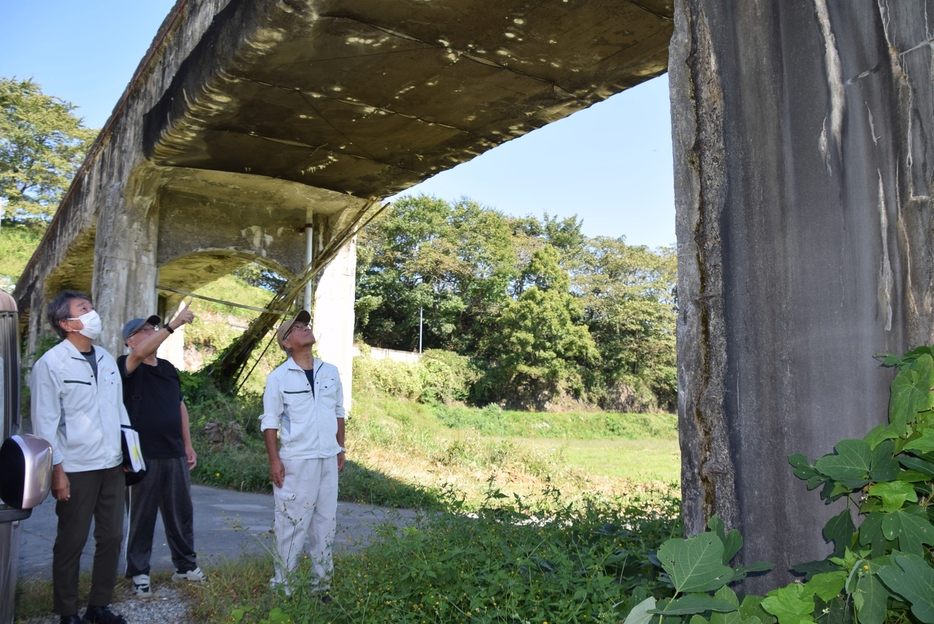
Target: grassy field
[405, 454]
[650, 460]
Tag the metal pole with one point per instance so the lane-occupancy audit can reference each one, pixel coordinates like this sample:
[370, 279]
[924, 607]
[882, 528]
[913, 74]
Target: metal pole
[309, 257]
[419, 330]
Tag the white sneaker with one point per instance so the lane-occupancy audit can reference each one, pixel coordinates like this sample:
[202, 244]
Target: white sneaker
[194, 576]
[141, 588]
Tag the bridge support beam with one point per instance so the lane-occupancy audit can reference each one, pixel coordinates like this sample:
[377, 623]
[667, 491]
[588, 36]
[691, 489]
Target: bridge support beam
[804, 244]
[125, 269]
[334, 314]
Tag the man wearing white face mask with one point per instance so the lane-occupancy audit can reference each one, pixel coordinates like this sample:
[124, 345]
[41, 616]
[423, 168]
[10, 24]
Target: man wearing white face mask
[77, 405]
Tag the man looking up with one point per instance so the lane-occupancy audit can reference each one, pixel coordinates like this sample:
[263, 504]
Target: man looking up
[153, 397]
[77, 405]
[303, 406]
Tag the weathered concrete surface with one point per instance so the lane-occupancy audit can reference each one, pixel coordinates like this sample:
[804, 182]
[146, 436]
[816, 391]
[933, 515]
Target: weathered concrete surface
[332, 327]
[247, 114]
[369, 98]
[802, 140]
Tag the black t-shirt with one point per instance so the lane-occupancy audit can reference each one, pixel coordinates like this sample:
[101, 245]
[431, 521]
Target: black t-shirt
[153, 399]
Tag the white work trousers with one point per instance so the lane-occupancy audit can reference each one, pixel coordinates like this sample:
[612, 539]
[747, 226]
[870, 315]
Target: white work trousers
[307, 498]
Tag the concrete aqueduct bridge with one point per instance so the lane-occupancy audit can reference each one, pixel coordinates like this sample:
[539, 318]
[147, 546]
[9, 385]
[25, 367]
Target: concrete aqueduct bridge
[802, 141]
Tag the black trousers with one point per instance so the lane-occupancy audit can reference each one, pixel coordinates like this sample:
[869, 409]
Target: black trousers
[165, 489]
[96, 494]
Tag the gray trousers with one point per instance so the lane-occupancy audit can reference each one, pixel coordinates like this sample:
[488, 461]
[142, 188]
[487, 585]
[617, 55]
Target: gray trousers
[96, 494]
[165, 489]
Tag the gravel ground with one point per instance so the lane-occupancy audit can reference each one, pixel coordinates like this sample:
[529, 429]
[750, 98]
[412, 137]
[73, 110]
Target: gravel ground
[167, 606]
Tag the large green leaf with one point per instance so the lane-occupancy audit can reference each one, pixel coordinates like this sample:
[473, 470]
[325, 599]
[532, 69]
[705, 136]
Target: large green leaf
[839, 530]
[882, 465]
[837, 611]
[870, 533]
[880, 433]
[893, 494]
[792, 604]
[694, 603]
[803, 468]
[695, 564]
[923, 444]
[911, 529]
[918, 465]
[851, 461]
[870, 600]
[732, 541]
[751, 610]
[748, 613]
[827, 585]
[913, 579]
[911, 391]
[640, 613]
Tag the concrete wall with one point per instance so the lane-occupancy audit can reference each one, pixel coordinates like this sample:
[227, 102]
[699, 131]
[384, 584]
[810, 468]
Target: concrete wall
[376, 353]
[802, 137]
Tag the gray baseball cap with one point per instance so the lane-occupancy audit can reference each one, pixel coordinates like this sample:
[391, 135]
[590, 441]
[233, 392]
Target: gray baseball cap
[133, 326]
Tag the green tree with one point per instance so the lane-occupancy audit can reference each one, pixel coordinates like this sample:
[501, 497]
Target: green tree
[540, 352]
[42, 144]
[629, 299]
[454, 261]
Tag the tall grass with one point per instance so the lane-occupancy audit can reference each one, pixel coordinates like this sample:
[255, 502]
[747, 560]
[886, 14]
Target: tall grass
[539, 560]
[402, 453]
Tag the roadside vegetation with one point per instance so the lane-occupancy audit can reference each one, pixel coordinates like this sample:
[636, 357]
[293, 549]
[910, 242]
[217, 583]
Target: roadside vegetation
[406, 453]
[516, 516]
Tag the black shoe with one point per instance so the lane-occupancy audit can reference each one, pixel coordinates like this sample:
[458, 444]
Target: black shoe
[72, 619]
[326, 598]
[102, 615]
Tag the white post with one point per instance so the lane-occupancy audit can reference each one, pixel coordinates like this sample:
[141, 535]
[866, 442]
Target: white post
[309, 257]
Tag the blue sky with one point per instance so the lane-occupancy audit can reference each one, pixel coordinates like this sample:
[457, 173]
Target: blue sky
[610, 165]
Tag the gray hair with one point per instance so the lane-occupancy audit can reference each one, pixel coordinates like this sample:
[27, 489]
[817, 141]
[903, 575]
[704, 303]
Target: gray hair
[59, 309]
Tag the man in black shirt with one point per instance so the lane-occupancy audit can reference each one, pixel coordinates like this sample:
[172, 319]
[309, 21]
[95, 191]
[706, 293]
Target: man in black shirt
[153, 399]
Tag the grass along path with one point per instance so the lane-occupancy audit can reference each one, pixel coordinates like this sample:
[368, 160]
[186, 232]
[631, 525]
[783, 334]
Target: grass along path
[402, 454]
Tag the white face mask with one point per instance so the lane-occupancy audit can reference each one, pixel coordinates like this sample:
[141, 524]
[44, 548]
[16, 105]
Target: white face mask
[92, 324]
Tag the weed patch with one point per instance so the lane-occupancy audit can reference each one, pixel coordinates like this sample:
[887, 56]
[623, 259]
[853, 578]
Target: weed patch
[511, 560]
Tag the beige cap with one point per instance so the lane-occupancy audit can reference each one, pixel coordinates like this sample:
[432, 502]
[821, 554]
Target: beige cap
[301, 317]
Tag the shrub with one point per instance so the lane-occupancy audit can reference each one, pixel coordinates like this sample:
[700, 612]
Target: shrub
[446, 376]
[400, 379]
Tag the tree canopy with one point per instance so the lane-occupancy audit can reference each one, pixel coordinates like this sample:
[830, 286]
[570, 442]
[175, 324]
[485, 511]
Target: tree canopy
[545, 313]
[42, 144]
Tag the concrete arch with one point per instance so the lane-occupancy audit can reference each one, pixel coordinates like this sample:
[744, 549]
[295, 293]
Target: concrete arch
[198, 268]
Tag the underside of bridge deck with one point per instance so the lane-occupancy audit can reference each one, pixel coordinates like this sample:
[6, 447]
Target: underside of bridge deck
[369, 98]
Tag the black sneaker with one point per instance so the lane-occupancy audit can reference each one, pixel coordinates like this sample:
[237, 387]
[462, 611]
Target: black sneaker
[102, 615]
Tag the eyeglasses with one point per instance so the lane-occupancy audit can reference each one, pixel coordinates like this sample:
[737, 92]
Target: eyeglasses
[293, 328]
[145, 329]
